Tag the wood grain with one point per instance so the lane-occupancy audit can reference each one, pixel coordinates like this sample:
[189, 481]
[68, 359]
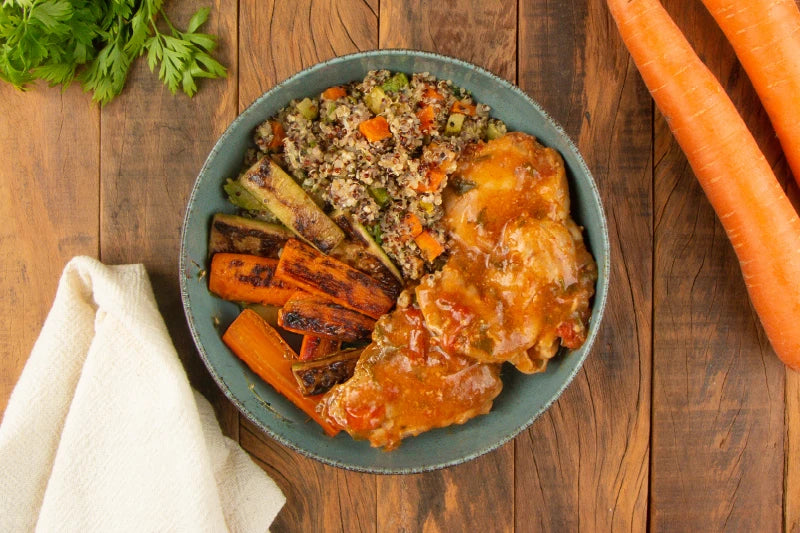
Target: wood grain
[718, 389]
[49, 188]
[456, 499]
[791, 497]
[318, 497]
[584, 464]
[277, 39]
[481, 32]
[153, 145]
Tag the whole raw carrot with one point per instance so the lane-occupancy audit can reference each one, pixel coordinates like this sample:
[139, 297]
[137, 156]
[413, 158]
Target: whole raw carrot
[765, 34]
[761, 223]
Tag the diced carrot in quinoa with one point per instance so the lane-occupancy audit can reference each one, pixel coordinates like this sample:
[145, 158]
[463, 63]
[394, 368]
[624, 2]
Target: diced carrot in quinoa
[463, 108]
[432, 94]
[375, 129]
[413, 223]
[431, 248]
[434, 179]
[278, 134]
[426, 117]
[334, 93]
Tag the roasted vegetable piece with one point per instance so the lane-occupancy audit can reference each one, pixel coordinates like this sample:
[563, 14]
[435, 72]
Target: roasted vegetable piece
[313, 315]
[279, 193]
[322, 275]
[314, 347]
[358, 233]
[235, 234]
[247, 278]
[360, 257]
[241, 198]
[258, 344]
[318, 376]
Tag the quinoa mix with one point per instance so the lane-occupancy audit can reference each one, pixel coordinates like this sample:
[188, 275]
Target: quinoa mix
[382, 150]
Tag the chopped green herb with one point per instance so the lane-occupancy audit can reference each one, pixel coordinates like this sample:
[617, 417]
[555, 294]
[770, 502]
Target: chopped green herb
[380, 194]
[462, 185]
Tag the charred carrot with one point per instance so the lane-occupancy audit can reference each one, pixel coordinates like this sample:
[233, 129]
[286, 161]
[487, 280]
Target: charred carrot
[319, 274]
[315, 315]
[375, 129]
[765, 34]
[261, 347]
[247, 278]
[761, 223]
[314, 347]
[431, 248]
[334, 93]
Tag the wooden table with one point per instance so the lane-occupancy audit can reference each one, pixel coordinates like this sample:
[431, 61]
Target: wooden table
[682, 418]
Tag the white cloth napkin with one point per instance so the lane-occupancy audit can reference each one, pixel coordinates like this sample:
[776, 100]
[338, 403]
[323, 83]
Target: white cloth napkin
[103, 431]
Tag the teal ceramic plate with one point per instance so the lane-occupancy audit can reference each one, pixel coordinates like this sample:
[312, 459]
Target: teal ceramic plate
[523, 398]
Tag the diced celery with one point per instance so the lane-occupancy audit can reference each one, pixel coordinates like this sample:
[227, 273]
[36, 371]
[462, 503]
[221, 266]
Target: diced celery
[380, 194]
[495, 129]
[308, 108]
[454, 123]
[395, 83]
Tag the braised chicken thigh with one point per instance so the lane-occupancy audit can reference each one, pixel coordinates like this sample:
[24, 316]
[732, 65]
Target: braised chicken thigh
[518, 279]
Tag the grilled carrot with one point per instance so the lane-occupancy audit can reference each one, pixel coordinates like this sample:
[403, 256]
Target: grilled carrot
[247, 278]
[314, 347]
[316, 273]
[258, 344]
[315, 315]
[761, 223]
[765, 34]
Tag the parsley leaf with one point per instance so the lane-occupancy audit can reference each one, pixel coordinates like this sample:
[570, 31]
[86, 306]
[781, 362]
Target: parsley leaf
[96, 42]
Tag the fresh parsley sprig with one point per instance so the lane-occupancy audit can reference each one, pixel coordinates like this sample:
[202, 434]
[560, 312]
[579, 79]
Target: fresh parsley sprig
[95, 43]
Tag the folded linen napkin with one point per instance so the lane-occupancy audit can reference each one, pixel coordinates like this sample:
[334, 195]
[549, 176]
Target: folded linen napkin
[103, 431]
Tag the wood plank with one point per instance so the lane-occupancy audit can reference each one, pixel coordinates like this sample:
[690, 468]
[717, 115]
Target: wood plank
[277, 39]
[49, 145]
[153, 145]
[791, 497]
[480, 32]
[479, 495]
[318, 497]
[584, 463]
[718, 389]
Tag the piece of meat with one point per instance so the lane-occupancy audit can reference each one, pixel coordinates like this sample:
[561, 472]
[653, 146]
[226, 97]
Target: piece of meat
[519, 277]
[404, 384]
